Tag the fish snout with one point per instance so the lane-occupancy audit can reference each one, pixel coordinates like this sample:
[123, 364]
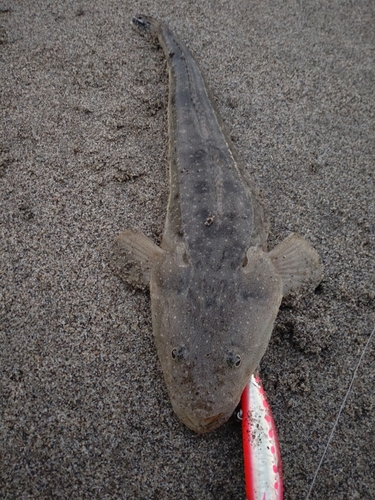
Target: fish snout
[200, 422]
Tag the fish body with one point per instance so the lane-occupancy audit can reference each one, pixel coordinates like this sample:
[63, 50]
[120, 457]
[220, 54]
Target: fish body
[215, 291]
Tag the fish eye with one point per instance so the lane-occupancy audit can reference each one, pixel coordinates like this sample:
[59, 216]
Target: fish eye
[233, 360]
[178, 353]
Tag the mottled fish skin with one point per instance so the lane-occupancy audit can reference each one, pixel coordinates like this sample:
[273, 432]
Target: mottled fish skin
[215, 291]
[209, 198]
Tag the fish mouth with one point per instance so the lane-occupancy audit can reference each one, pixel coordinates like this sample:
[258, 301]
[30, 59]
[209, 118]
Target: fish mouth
[203, 425]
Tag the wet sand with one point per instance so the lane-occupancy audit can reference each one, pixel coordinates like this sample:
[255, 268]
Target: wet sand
[84, 409]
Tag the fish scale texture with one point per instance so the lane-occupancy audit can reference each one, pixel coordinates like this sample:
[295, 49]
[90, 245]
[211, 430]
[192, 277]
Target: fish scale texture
[84, 140]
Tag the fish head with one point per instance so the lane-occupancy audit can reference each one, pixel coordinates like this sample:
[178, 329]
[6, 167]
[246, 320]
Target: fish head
[211, 331]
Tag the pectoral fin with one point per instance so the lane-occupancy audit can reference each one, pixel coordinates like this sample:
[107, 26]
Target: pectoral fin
[297, 263]
[134, 255]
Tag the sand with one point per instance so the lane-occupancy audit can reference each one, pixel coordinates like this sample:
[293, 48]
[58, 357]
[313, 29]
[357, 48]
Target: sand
[84, 409]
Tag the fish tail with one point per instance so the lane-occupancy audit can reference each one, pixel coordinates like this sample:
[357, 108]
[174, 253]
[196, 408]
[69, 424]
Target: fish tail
[146, 24]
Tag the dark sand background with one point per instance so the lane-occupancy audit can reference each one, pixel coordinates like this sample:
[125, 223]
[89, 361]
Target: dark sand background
[84, 410]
